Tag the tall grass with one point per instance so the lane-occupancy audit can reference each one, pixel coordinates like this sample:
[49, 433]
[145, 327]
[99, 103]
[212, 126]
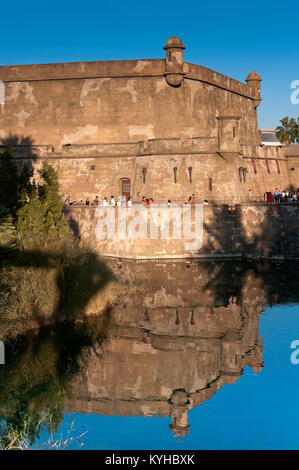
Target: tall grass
[52, 282]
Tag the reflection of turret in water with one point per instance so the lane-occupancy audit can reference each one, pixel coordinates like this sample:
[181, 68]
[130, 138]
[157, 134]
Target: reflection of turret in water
[179, 413]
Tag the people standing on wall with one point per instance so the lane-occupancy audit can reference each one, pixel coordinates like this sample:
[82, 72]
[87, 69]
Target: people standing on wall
[145, 201]
[96, 201]
[129, 202]
[193, 199]
[276, 195]
[67, 201]
[105, 202]
[112, 201]
[87, 202]
[190, 200]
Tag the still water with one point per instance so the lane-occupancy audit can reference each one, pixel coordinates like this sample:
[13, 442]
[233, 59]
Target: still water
[199, 358]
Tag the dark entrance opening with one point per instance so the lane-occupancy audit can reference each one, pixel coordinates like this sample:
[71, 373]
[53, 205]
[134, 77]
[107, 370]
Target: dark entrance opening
[126, 187]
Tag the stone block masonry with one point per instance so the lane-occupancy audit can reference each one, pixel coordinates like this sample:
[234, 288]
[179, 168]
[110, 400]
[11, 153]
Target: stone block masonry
[242, 230]
[166, 127]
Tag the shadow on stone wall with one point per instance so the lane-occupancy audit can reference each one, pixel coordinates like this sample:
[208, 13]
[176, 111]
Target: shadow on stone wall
[242, 231]
[22, 148]
[73, 223]
[253, 231]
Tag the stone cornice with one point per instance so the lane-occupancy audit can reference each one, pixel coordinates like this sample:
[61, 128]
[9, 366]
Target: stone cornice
[118, 69]
[83, 70]
[160, 147]
[203, 74]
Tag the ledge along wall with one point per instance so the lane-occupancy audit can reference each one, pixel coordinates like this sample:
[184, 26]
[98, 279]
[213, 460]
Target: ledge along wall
[243, 230]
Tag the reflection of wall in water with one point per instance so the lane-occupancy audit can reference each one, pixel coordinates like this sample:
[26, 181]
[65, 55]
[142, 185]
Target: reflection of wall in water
[176, 343]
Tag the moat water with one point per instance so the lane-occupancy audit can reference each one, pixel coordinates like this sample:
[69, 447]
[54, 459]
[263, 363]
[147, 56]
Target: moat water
[199, 358]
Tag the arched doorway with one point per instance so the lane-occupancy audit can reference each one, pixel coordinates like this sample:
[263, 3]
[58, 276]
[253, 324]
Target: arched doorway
[126, 187]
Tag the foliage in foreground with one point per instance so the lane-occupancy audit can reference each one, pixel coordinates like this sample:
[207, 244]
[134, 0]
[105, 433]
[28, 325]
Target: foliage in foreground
[61, 283]
[45, 275]
[46, 280]
[15, 186]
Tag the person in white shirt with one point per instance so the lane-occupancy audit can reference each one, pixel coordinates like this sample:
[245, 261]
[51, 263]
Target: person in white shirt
[112, 201]
[105, 202]
[129, 202]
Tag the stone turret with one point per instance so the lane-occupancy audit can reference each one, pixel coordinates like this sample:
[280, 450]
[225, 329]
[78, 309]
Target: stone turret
[179, 413]
[174, 63]
[228, 133]
[254, 83]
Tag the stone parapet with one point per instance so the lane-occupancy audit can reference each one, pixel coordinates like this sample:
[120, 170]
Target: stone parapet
[263, 151]
[241, 230]
[148, 147]
[203, 74]
[85, 70]
[173, 146]
[119, 69]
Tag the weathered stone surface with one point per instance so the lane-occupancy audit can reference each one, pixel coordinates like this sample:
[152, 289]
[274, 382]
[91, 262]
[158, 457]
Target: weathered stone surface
[247, 230]
[292, 153]
[100, 122]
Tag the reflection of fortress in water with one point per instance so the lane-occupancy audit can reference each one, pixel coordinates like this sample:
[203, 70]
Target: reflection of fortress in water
[175, 344]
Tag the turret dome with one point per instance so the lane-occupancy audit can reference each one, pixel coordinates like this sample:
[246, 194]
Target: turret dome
[253, 76]
[174, 42]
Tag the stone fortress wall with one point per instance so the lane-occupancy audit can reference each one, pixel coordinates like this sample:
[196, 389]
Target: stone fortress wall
[170, 127]
[216, 230]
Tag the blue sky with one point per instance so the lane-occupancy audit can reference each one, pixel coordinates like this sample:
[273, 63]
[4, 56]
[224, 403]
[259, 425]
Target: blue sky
[231, 37]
